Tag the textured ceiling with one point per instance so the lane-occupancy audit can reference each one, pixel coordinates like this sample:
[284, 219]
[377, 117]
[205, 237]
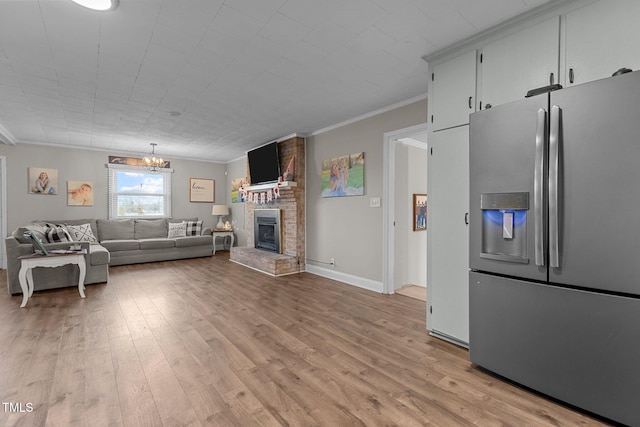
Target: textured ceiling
[210, 79]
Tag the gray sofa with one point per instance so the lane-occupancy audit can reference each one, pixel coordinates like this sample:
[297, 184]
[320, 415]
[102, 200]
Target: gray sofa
[127, 241]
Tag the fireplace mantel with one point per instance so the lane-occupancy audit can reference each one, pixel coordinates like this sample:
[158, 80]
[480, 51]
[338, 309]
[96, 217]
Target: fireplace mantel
[283, 185]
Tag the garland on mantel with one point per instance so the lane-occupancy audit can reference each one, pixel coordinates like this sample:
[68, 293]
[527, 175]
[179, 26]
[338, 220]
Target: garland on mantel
[267, 195]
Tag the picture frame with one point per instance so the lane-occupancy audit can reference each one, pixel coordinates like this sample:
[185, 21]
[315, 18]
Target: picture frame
[43, 181]
[419, 212]
[236, 195]
[132, 161]
[201, 190]
[79, 193]
[343, 176]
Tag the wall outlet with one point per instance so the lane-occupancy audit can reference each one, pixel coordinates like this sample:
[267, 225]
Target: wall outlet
[333, 261]
[374, 202]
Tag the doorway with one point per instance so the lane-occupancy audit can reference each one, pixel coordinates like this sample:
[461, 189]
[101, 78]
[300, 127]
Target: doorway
[405, 250]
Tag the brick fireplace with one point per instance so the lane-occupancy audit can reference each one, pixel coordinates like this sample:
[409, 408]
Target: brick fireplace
[291, 204]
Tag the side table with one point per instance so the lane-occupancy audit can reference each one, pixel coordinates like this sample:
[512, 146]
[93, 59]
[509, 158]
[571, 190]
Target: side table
[221, 233]
[29, 262]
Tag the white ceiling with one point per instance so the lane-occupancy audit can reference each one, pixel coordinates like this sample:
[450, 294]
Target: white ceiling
[239, 72]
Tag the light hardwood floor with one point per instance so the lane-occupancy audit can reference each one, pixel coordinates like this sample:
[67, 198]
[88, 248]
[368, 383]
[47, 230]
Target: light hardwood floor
[413, 291]
[209, 342]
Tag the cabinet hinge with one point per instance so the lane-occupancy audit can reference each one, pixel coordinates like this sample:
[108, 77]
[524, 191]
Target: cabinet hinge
[481, 58]
[431, 309]
[432, 76]
[432, 118]
[432, 151]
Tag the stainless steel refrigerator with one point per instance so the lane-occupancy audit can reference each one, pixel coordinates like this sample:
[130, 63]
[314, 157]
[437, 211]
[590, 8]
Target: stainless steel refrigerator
[554, 286]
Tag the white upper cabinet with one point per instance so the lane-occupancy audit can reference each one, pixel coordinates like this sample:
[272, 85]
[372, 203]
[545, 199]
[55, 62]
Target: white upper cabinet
[515, 64]
[452, 92]
[600, 39]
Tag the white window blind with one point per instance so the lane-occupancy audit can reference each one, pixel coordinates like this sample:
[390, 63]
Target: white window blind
[136, 193]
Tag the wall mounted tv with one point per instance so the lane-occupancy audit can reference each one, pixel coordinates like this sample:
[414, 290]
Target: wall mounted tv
[264, 164]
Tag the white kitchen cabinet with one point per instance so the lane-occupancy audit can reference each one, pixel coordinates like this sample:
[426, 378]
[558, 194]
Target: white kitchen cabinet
[525, 60]
[448, 235]
[452, 91]
[601, 38]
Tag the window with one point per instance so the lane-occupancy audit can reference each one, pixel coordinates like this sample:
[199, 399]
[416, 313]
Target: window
[136, 193]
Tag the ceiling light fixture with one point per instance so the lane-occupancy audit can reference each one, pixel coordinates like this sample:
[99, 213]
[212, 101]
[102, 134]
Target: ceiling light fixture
[100, 5]
[152, 163]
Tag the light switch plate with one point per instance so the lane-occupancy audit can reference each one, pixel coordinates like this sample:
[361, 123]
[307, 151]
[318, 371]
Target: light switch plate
[374, 202]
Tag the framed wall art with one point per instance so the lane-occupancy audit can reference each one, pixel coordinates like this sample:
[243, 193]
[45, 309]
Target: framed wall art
[236, 195]
[419, 212]
[43, 181]
[343, 176]
[201, 190]
[79, 193]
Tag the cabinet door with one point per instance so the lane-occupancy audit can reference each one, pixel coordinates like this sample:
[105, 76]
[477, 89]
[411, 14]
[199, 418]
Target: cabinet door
[602, 38]
[522, 61]
[453, 91]
[448, 235]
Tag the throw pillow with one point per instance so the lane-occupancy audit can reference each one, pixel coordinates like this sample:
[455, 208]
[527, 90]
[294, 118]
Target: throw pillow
[82, 233]
[177, 229]
[39, 230]
[57, 233]
[194, 228]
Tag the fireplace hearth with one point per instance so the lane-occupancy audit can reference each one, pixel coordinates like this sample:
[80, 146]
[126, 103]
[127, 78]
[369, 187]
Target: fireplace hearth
[266, 230]
[289, 211]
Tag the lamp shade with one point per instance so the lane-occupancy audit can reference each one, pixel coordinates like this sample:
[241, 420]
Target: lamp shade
[219, 210]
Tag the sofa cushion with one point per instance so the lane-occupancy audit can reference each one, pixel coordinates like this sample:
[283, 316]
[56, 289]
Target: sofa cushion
[184, 242]
[98, 255]
[194, 228]
[177, 229]
[150, 228]
[90, 221]
[81, 233]
[115, 229]
[121, 245]
[37, 229]
[163, 243]
[182, 220]
[57, 233]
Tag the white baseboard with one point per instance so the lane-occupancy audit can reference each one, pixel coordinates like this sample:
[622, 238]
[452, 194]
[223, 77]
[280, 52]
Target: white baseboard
[349, 279]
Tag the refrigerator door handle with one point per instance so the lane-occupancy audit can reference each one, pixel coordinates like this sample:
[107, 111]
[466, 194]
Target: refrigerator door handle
[538, 187]
[554, 167]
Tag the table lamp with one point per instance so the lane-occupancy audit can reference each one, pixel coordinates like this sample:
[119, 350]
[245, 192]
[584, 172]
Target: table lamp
[220, 210]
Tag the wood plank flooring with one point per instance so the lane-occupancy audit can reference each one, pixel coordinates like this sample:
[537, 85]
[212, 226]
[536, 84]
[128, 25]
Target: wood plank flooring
[209, 342]
[413, 291]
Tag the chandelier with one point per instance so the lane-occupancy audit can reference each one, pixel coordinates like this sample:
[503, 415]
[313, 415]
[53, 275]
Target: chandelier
[152, 163]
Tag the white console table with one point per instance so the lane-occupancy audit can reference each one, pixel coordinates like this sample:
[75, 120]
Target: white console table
[29, 262]
[224, 234]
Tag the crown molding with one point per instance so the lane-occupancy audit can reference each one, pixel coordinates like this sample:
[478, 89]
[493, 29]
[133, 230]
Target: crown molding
[7, 137]
[391, 107]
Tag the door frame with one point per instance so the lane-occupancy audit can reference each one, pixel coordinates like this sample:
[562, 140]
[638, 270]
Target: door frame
[390, 139]
[3, 210]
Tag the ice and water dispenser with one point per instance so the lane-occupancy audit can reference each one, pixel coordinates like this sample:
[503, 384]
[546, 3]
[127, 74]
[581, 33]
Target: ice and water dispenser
[504, 226]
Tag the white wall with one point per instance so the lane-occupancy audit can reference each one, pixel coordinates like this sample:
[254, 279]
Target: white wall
[237, 169]
[90, 165]
[346, 228]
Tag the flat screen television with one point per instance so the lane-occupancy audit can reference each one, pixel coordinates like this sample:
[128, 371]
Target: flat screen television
[264, 164]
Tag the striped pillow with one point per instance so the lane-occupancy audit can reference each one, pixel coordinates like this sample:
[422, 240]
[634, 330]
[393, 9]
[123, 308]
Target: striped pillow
[57, 233]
